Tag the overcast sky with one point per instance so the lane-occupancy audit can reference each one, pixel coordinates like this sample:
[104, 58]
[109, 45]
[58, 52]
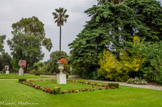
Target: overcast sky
[12, 11]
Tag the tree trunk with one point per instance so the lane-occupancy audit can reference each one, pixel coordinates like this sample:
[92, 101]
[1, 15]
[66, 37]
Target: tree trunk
[60, 40]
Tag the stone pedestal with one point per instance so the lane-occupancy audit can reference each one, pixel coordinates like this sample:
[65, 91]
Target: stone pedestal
[7, 72]
[21, 72]
[61, 78]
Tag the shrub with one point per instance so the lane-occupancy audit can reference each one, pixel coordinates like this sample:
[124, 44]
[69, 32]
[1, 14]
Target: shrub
[137, 80]
[21, 80]
[114, 69]
[73, 91]
[56, 90]
[86, 89]
[37, 74]
[51, 91]
[99, 88]
[34, 85]
[32, 71]
[106, 88]
[112, 87]
[44, 88]
[37, 87]
[47, 90]
[116, 85]
[70, 91]
[103, 85]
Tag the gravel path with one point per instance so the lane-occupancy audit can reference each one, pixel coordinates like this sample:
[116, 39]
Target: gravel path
[131, 85]
[121, 83]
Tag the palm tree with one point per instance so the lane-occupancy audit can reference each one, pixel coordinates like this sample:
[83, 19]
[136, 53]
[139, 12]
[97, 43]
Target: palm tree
[60, 17]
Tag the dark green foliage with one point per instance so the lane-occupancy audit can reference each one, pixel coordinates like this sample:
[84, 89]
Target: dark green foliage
[116, 85]
[25, 47]
[56, 90]
[29, 25]
[152, 51]
[2, 38]
[111, 24]
[102, 2]
[37, 74]
[21, 80]
[54, 57]
[32, 26]
[41, 68]
[5, 59]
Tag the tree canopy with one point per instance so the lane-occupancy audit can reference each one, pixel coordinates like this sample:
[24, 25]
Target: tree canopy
[54, 57]
[32, 26]
[110, 26]
[25, 47]
[2, 38]
[5, 59]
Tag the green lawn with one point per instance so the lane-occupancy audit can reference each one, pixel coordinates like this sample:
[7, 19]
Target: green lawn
[13, 92]
[65, 87]
[16, 76]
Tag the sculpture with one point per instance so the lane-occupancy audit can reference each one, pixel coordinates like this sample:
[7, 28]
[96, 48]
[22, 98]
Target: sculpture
[7, 69]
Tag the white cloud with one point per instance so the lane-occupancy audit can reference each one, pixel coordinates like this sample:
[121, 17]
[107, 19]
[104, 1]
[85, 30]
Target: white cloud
[12, 11]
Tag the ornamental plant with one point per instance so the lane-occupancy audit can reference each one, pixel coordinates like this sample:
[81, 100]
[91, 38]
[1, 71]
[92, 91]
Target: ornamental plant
[106, 88]
[50, 91]
[63, 92]
[99, 88]
[113, 87]
[56, 90]
[69, 91]
[116, 85]
[103, 85]
[47, 90]
[34, 85]
[44, 88]
[72, 91]
[63, 60]
[66, 66]
[86, 89]
[22, 63]
[114, 69]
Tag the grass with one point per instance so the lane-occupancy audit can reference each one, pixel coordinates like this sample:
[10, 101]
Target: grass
[64, 87]
[16, 76]
[14, 92]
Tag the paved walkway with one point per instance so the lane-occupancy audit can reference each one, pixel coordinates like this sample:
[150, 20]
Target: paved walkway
[121, 83]
[132, 85]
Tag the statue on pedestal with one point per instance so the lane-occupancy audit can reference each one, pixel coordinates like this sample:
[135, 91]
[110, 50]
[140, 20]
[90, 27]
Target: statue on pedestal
[7, 69]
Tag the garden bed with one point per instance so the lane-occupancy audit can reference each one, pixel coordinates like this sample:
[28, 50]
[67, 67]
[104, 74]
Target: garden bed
[72, 86]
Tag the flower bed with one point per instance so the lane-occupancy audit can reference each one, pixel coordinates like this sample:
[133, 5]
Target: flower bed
[57, 90]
